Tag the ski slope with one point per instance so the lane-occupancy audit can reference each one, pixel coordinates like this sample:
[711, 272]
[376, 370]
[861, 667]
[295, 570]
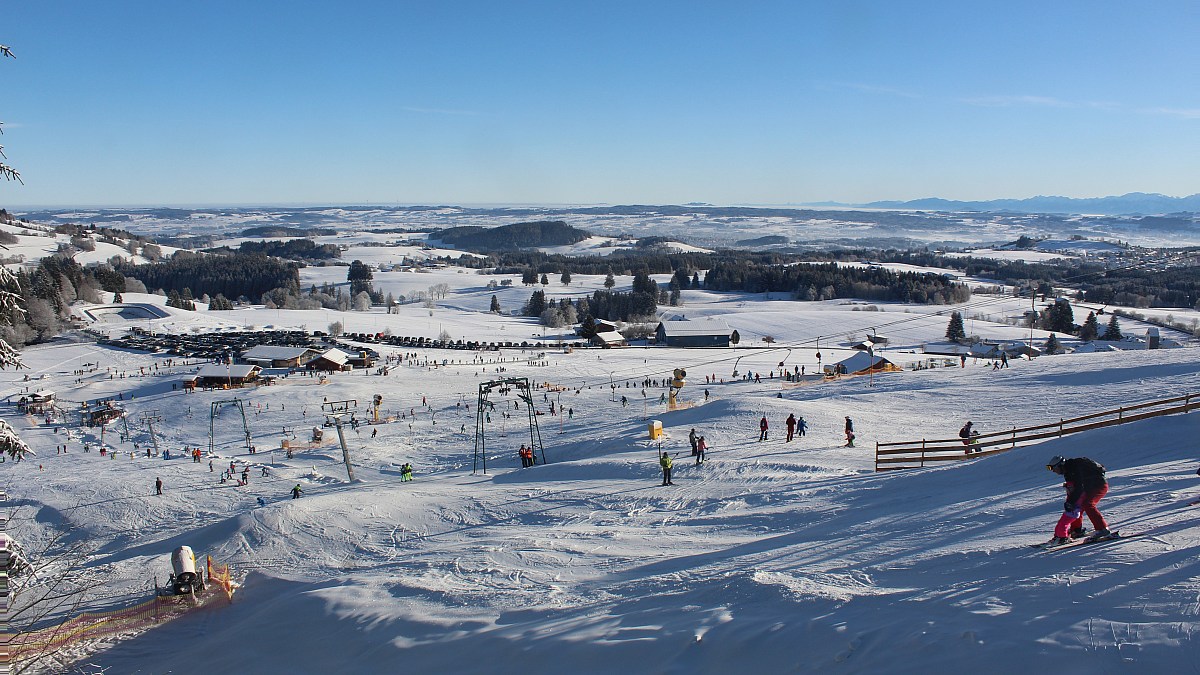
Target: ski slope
[771, 557]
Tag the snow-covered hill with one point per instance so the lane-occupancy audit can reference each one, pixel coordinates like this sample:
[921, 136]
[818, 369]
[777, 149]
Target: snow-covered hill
[770, 557]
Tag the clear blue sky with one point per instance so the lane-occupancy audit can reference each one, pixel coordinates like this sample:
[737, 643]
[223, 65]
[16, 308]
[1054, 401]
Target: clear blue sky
[262, 102]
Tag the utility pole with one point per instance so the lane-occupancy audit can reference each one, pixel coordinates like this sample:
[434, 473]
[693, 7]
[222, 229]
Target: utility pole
[335, 411]
[1032, 317]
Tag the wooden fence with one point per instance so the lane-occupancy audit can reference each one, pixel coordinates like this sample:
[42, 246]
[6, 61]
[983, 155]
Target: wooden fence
[925, 452]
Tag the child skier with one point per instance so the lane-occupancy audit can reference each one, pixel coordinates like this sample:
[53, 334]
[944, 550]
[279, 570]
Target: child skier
[1086, 485]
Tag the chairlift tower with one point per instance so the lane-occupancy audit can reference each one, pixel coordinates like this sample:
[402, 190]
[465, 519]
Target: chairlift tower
[149, 418]
[212, 416]
[503, 386]
[335, 411]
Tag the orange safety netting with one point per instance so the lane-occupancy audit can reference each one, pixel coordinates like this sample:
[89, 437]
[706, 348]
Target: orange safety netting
[90, 625]
[219, 574]
[93, 625]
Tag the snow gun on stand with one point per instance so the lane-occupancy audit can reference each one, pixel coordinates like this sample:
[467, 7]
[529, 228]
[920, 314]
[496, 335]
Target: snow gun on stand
[677, 382]
[184, 579]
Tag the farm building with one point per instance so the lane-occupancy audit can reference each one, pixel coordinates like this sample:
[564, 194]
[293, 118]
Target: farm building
[608, 339]
[273, 356]
[693, 333]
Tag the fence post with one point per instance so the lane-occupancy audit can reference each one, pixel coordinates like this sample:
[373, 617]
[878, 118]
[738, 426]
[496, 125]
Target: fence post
[1187, 399]
[1014, 438]
[922, 453]
[876, 456]
[1060, 422]
[1120, 413]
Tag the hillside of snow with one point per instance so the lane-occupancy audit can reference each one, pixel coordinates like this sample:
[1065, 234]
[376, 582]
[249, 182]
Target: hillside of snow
[770, 557]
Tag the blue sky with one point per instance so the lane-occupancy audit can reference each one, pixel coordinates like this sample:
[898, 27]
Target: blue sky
[265, 102]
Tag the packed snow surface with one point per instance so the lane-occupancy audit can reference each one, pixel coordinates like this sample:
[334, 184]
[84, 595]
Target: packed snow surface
[770, 557]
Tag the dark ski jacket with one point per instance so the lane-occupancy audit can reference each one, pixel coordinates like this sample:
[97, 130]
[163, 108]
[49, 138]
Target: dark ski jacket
[1083, 476]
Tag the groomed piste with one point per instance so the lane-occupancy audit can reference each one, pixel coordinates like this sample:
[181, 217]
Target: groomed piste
[772, 556]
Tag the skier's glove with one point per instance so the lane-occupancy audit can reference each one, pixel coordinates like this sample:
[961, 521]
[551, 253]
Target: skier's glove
[1071, 507]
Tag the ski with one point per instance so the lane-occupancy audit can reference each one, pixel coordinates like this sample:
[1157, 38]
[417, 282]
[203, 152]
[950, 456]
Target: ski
[1083, 541]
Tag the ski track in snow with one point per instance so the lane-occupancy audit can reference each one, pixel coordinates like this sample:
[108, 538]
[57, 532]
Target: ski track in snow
[770, 557]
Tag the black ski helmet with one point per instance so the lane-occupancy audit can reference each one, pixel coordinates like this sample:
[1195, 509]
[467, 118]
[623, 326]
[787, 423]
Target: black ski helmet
[1055, 463]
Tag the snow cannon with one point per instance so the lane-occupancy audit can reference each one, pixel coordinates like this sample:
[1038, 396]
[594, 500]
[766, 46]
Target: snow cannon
[677, 382]
[680, 378]
[184, 578]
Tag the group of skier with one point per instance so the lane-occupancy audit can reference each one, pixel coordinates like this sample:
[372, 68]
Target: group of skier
[527, 457]
[796, 426]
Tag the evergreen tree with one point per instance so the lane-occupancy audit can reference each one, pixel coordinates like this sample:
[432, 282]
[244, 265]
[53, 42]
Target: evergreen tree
[1058, 317]
[536, 304]
[495, 309]
[529, 277]
[609, 281]
[360, 277]
[680, 279]
[220, 302]
[1113, 330]
[1090, 328]
[587, 328]
[545, 279]
[955, 331]
[642, 283]
[1052, 346]
[565, 278]
[735, 337]
[695, 280]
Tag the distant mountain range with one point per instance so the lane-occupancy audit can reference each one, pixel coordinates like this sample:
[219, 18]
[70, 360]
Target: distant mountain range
[1134, 203]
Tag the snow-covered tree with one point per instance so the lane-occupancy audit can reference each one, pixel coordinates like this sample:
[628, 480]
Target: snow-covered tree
[7, 171]
[552, 318]
[11, 442]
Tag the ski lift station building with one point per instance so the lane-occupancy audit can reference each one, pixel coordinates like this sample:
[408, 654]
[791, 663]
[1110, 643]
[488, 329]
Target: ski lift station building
[217, 376]
[693, 333]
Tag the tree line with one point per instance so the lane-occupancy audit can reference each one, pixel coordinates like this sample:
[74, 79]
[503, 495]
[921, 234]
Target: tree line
[233, 276]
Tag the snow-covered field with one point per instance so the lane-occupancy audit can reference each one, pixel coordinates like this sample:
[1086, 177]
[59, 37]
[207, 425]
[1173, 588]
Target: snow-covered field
[771, 557]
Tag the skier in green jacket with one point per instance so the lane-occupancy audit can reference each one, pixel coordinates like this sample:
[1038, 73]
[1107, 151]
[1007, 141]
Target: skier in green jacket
[665, 462]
